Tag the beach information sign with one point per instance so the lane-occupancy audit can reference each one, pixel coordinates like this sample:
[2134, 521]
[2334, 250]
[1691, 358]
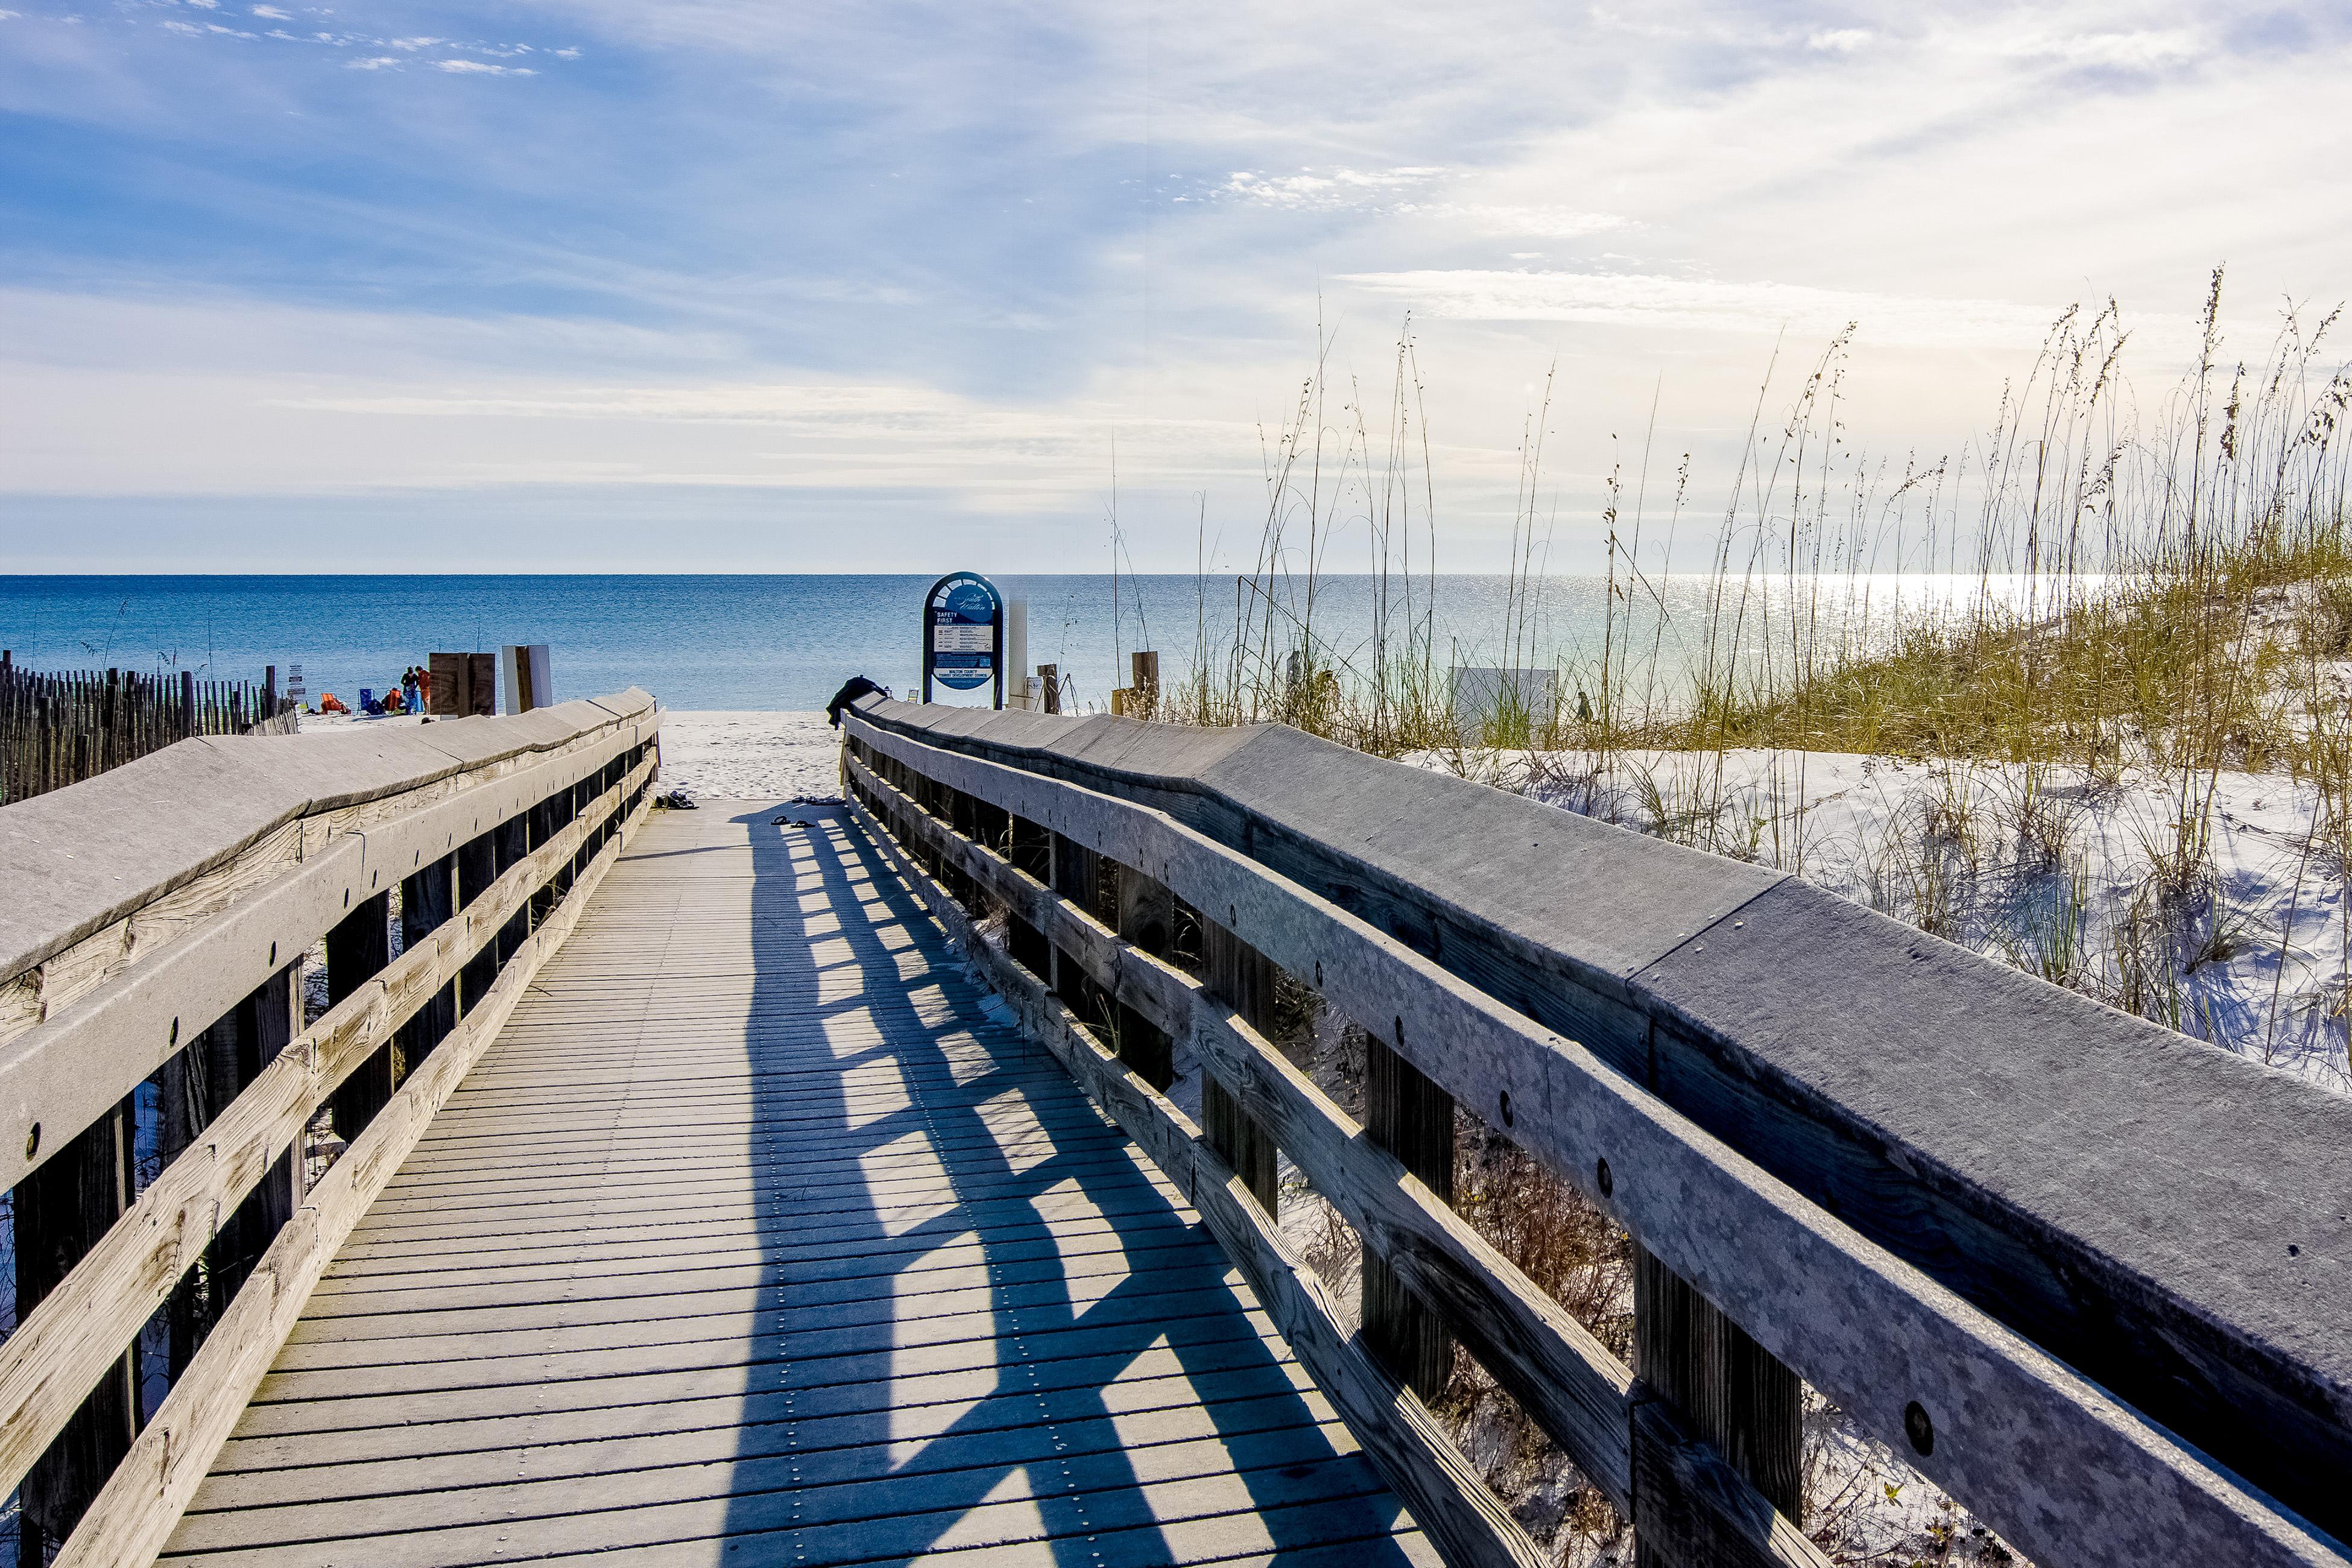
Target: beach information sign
[963, 634]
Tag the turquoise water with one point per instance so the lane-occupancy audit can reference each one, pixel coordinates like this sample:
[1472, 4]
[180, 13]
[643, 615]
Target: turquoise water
[772, 642]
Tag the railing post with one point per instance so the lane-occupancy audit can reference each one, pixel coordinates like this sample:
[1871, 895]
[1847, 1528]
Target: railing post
[1076, 870]
[1413, 1119]
[962, 815]
[477, 868]
[1734, 1393]
[62, 1208]
[1244, 979]
[510, 843]
[358, 947]
[1147, 919]
[584, 796]
[192, 1086]
[427, 900]
[1031, 849]
[541, 824]
[266, 1022]
[196, 1085]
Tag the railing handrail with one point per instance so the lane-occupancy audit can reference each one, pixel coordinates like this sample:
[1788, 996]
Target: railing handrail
[2003, 1401]
[78, 859]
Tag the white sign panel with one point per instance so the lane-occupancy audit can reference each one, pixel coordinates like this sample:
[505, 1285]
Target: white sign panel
[963, 637]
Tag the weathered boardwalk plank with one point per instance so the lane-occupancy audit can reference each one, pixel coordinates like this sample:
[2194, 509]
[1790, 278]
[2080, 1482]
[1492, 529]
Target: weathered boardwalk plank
[755, 1239]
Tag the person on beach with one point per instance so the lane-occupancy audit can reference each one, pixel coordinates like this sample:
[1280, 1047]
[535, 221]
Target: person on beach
[855, 687]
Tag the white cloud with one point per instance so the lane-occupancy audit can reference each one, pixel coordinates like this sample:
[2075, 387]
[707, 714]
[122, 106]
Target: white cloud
[1838, 40]
[273, 13]
[186, 29]
[205, 5]
[567, 54]
[1685, 303]
[1398, 192]
[2145, 49]
[1504, 220]
[1331, 190]
[480, 68]
[376, 63]
[412, 44]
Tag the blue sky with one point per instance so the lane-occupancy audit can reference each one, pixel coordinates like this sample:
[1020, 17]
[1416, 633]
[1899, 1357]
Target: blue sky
[716, 285]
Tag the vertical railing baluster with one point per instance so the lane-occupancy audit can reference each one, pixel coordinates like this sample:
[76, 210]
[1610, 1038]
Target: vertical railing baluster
[1413, 1119]
[429, 898]
[1147, 919]
[1244, 979]
[510, 841]
[1736, 1394]
[61, 1210]
[1076, 871]
[1031, 850]
[358, 948]
[477, 868]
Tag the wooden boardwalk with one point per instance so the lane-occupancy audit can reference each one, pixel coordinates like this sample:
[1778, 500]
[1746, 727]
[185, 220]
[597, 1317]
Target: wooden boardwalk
[755, 1239]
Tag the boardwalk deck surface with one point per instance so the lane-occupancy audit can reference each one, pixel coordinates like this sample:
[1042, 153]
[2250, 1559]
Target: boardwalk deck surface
[754, 1238]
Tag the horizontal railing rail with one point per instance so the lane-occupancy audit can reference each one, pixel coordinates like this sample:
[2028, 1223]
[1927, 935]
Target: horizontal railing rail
[493, 830]
[2056, 1463]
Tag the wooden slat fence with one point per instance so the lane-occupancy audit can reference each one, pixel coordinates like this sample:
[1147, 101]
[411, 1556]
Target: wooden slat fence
[1746, 1283]
[61, 727]
[156, 934]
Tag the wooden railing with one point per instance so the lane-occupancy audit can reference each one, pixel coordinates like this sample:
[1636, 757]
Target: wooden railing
[155, 930]
[1451, 923]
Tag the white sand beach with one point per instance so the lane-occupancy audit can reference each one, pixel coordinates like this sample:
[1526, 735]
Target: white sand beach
[743, 755]
[711, 755]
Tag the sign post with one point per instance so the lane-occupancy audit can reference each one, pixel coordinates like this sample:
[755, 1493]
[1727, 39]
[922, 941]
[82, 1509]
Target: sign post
[963, 634]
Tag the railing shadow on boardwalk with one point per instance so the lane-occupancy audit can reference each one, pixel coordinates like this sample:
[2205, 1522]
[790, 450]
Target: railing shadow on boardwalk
[904, 1223]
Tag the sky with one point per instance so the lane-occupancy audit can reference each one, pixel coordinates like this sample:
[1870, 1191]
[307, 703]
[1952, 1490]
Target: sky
[759, 285]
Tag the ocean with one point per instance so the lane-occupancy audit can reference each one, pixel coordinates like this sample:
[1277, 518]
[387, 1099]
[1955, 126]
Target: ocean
[789, 642]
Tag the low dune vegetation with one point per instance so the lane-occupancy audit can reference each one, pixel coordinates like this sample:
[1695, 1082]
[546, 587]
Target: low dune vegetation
[2078, 696]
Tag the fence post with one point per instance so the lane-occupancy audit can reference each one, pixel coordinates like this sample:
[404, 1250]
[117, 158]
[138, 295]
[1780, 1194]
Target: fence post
[1049, 680]
[358, 947]
[61, 1210]
[1244, 979]
[1143, 680]
[1735, 1393]
[1413, 1119]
